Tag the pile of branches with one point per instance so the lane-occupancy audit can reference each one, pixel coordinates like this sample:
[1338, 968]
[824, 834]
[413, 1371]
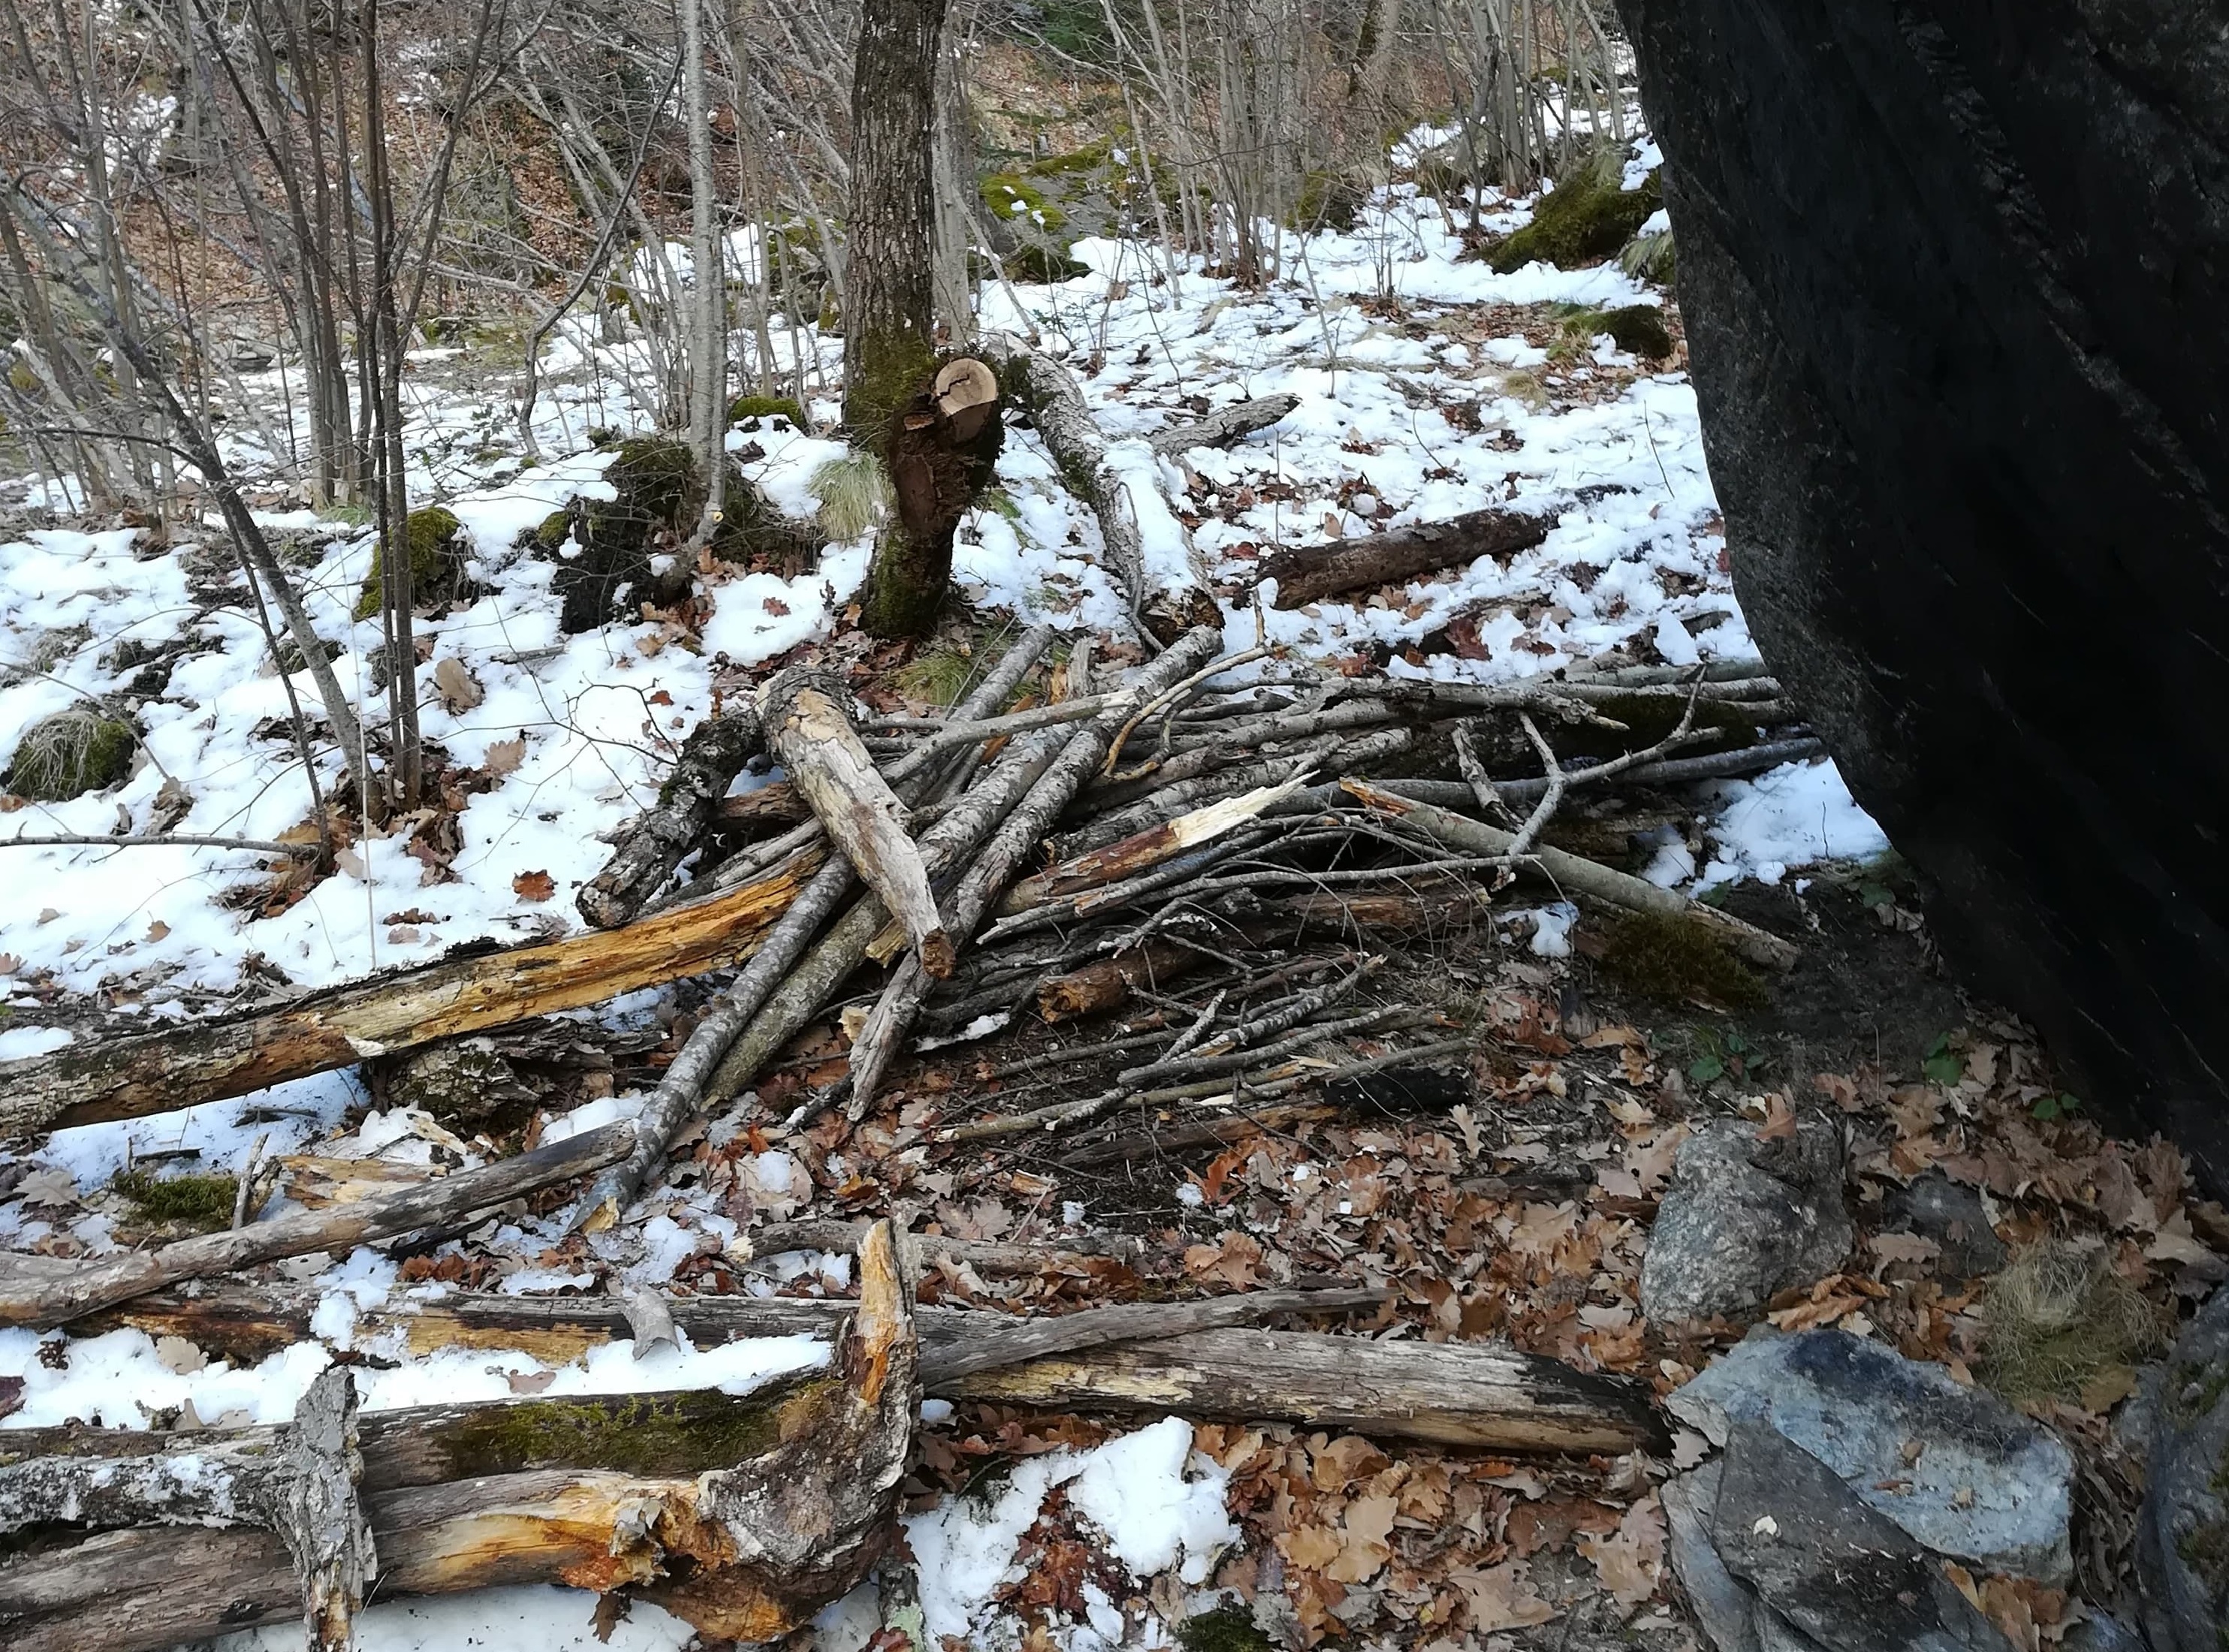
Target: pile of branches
[1152, 833]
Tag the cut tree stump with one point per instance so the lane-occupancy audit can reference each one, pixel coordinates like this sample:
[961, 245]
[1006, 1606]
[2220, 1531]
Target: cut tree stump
[96, 1081]
[1309, 572]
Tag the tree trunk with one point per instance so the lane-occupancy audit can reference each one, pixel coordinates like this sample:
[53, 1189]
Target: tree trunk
[940, 447]
[889, 323]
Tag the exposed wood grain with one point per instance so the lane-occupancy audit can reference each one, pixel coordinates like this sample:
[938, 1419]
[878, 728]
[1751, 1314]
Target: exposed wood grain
[100, 1080]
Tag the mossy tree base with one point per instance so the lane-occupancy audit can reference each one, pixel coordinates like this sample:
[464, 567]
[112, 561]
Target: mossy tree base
[939, 461]
[436, 543]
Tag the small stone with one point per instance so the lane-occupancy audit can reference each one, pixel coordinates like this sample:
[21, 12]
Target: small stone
[1937, 1208]
[1744, 1219]
[1834, 1570]
[1954, 1467]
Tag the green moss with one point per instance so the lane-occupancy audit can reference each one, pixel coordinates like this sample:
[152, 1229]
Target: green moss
[1667, 955]
[1042, 266]
[766, 406]
[1637, 329]
[1584, 220]
[890, 368]
[431, 532]
[70, 753]
[643, 1434]
[1089, 158]
[1010, 195]
[1328, 199]
[552, 531]
[1228, 1628]
[204, 1203]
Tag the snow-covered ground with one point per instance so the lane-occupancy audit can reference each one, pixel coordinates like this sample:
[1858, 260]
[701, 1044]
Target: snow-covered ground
[1420, 396]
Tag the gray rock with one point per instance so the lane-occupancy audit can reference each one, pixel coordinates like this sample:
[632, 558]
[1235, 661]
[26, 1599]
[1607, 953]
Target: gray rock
[1986, 1485]
[2102, 1632]
[1722, 1603]
[1774, 1633]
[2182, 1529]
[1949, 1213]
[1836, 1571]
[1745, 1219]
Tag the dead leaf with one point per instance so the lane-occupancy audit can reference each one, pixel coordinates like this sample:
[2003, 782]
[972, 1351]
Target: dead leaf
[1346, 1460]
[176, 1354]
[1630, 1559]
[51, 1186]
[1310, 1547]
[1499, 1599]
[534, 886]
[1369, 1523]
[1904, 1247]
[503, 757]
[2176, 1242]
[1779, 1119]
[458, 691]
[1236, 1262]
[157, 930]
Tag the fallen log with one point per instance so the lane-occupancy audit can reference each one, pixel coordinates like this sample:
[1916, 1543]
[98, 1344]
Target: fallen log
[43, 1300]
[1224, 425]
[247, 1326]
[662, 836]
[1456, 1393]
[1143, 850]
[1578, 876]
[1364, 562]
[742, 1517]
[100, 1080]
[802, 711]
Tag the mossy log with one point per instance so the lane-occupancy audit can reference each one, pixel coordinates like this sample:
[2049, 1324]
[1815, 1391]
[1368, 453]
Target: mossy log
[100, 1080]
[742, 1516]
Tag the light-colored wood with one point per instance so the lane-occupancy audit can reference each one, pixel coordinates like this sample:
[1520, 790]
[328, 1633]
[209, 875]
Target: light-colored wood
[1146, 849]
[315, 1510]
[802, 711]
[1224, 425]
[57, 1299]
[100, 1080]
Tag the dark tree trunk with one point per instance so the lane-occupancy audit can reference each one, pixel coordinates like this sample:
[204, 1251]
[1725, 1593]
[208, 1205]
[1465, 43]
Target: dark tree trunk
[940, 448]
[891, 297]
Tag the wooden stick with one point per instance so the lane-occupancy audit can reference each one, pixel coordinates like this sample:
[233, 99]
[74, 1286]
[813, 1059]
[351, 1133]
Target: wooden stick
[1309, 572]
[1142, 850]
[662, 836]
[57, 1299]
[316, 1512]
[1224, 425]
[1580, 876]
[802, 711]
[99, 1080]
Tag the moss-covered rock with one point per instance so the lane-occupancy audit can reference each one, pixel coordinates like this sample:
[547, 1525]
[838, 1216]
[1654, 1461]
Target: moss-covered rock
[1651, 258]
[1009, 195]
[1637, 329]
[435, 539]
[70, 753]
[659, 494]
[766, 406]
[1041, 265]
[1329, 200]
[1670, 956]
[1228, 1628]
[1584, 220]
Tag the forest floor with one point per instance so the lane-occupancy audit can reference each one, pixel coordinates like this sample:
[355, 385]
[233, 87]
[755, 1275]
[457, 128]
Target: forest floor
[1507, 1194]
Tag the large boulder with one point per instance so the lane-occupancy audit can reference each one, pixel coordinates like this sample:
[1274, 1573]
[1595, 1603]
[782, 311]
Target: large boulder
[1954, 279]
[2182, 1531]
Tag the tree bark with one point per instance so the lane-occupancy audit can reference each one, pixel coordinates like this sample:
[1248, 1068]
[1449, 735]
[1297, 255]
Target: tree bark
[890, 319]
[1224, 425]
[663, 837]
[130, 1077]
[941, 446]
[1308, 573]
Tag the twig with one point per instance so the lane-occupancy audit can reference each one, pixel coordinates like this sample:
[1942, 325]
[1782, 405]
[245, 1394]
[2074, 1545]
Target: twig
[146, 840]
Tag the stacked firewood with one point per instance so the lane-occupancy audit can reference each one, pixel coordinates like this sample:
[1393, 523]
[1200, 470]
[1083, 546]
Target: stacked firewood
[1153, 832]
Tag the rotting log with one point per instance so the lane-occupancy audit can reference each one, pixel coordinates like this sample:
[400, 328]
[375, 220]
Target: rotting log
[96, 1080]
[1364, 562]
[1456, 1393]
[44, 1299]
[662, 836]
[742, 1516]
[802, 711]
